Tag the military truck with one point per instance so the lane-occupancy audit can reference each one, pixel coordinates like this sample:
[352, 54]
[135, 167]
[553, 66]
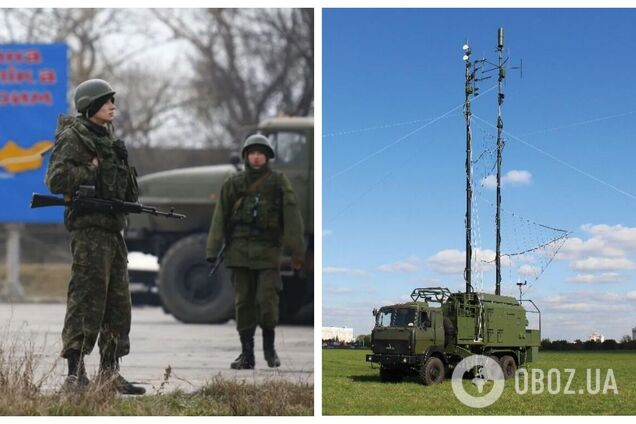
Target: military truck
[182, 282]
[429, 336]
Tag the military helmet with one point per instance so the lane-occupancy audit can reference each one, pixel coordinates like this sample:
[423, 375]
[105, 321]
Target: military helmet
[258, 140]
[89, 91]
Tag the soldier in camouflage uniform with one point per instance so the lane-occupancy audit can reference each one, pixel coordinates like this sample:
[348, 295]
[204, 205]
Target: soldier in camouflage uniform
[257, 215]
[87, 153]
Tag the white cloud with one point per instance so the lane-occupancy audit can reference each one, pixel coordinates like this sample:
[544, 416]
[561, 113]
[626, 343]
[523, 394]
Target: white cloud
[575, 315]
[338, 290]
[450, 261]
[579, 307]
[594, 264]
[327, 233]
[512, 178]
[529, 271]
[339, 270]
[617, 235]
[575, 248]
[606, 277]
[411, 264]
[453, 261]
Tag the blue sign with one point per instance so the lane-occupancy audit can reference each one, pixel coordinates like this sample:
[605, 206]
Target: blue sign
[33, 89]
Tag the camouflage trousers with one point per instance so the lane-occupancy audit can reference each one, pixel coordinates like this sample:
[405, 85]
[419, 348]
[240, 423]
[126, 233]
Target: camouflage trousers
[256, 298]
[98, 295]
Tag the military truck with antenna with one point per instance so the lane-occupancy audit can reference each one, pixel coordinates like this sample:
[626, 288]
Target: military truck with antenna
[431, 334]
[429, 340]
[182, 282]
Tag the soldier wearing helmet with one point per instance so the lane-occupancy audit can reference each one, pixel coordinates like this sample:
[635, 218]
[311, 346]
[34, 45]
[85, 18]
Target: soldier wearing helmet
[258, 216]
[98, 308]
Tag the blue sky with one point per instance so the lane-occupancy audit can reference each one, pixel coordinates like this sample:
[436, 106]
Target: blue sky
[394, 152]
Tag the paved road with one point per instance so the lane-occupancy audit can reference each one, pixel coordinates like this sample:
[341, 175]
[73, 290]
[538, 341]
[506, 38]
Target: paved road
[195, 353]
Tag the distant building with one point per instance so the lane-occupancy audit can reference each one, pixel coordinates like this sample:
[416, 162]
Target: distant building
[597, 337]
[342, 334]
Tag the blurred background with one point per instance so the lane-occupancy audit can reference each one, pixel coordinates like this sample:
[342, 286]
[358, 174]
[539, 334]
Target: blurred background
[191, 83]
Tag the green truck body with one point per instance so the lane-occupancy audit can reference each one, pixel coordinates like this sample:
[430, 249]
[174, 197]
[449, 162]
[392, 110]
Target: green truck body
[408, 336]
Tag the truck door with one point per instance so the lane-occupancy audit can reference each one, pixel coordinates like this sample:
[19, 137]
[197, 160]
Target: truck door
[425, 332]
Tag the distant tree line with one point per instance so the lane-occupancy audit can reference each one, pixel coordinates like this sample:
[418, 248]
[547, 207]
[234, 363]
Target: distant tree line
[626, 343]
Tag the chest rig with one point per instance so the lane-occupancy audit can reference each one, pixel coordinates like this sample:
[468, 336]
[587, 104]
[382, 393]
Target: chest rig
[257, 212]
[114, 178]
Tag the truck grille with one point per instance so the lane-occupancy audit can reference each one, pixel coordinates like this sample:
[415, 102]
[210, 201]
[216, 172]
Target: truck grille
[391, 346]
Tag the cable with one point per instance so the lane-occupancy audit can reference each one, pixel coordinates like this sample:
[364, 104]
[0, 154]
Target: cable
[564, 163]
[576, 124]
[399, 140]
[379, 127]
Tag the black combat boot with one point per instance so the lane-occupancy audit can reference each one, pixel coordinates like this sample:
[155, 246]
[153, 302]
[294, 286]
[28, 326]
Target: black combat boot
[245, 360]
[76, 380]
[268, 348]
[109, 375]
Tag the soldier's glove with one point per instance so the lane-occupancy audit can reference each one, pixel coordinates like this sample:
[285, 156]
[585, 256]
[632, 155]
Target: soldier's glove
[120, 149]
[297, 264]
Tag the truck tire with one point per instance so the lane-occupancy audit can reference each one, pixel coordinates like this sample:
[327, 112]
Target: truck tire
[185, 290]
[432, 372]
[304, 315]
[508, 366]
[390, 375]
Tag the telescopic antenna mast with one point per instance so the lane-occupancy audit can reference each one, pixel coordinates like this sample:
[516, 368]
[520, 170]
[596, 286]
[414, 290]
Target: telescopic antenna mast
[470, 76]
[500, 98]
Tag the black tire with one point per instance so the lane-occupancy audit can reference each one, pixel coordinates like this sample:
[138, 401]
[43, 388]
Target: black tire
[304, 315]
[185, 290]
[433, 371]
[391, 375]
[508, 366]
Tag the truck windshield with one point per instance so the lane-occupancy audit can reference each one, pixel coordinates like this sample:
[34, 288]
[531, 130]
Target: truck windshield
[396, 317]
[290, 147]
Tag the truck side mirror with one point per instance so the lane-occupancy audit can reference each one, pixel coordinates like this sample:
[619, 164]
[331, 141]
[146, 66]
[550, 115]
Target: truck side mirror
[235, 159]
[375, 311]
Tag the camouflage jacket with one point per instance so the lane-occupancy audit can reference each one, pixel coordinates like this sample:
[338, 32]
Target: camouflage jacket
[77, 142]
[258, 214]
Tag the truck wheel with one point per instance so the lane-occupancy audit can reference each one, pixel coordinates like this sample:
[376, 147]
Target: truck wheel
[185, 289]
[390, 375]
[432, 372]
[508, 366]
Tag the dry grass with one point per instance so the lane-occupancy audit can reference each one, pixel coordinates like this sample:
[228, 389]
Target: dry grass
[22, 394]
[43, 280]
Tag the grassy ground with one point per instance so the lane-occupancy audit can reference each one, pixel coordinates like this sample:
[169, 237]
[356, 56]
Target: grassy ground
[219, 397]
[21, 394]
[350, 386]
[48, 280]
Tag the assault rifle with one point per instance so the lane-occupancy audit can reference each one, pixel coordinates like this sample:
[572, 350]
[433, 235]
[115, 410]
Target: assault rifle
[229, 231]
[219, 260]
[84, 199]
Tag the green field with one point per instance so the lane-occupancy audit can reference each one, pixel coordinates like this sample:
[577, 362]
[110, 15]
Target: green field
[350, 386]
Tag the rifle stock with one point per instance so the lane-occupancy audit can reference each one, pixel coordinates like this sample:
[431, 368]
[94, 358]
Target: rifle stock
[44, 200]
